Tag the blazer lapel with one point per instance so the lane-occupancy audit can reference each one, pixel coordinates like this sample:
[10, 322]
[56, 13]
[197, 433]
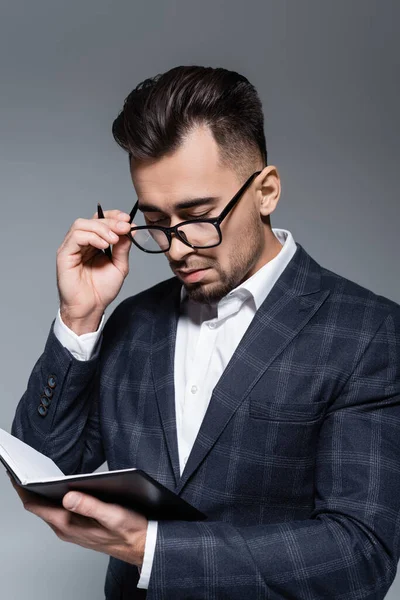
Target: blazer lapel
[162, 364]
[292, 302]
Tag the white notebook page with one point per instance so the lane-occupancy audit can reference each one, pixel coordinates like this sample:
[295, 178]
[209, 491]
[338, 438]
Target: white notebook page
[26, 462]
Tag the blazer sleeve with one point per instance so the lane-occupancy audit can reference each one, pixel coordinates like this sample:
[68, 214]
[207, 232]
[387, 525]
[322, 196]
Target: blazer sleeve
[69, 431]
[349, 547]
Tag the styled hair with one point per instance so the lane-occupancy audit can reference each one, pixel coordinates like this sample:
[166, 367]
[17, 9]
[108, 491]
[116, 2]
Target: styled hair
[162, 110]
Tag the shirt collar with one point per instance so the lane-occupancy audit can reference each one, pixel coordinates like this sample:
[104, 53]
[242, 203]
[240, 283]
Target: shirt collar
[259, 285]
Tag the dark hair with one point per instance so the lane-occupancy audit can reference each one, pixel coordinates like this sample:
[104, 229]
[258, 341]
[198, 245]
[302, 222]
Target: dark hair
[161, 110]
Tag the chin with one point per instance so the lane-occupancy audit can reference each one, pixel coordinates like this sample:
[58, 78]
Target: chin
[206, 293]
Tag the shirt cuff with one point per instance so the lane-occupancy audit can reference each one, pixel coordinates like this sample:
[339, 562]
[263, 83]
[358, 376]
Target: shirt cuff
[149, 549]
[81, 346]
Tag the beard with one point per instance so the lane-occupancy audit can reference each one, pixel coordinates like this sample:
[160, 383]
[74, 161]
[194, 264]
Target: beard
[245, 254]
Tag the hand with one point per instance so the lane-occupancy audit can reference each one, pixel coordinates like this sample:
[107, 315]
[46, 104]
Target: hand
[90, 523]
[87, 280]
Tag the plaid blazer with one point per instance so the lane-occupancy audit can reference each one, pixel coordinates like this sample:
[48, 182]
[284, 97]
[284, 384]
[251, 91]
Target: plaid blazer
[297, 461]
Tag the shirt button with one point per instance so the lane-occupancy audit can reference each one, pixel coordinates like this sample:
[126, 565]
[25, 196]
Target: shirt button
[212, 325]
[193, 389]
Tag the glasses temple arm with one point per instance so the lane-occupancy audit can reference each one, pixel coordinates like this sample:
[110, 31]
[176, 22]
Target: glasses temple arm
[237, 197]
[133, 212]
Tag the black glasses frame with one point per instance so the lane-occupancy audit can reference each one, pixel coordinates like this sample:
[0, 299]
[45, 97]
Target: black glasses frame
[168, 231]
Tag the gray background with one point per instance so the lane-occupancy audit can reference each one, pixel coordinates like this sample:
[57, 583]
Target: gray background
[328, 75]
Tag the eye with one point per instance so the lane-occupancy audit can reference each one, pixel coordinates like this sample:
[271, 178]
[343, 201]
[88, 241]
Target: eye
[198, 217]
[150, 222]
[186, 218]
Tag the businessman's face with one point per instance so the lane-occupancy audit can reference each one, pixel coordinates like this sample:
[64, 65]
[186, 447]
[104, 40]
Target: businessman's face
[192, 183]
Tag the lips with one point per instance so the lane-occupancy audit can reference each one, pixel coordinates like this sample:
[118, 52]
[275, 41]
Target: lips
[188, 271]
[192, 275]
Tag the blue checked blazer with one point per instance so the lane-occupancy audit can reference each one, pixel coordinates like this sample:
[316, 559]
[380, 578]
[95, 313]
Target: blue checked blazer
[297, 462]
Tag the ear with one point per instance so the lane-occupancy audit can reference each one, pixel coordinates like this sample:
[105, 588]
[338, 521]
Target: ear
[268, 189]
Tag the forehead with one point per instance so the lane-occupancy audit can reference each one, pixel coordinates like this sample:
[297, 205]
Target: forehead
[193, 170]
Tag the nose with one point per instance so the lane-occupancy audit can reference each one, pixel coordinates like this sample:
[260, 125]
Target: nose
[178, 250]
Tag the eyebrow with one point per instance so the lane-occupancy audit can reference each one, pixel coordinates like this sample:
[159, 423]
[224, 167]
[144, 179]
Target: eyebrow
[189, 203]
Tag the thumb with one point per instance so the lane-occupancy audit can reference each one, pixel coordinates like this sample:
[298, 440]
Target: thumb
[120, 253]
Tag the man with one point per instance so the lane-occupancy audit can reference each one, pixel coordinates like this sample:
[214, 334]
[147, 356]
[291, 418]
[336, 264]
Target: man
[261, 387]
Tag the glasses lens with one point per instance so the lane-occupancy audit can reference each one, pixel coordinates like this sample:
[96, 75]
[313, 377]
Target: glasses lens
[150, 239]
[200, 235]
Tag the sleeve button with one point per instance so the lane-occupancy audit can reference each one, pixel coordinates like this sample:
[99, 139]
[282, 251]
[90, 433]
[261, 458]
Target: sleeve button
[42, 410]
[48, 392]
[45, 401]
[51, 382]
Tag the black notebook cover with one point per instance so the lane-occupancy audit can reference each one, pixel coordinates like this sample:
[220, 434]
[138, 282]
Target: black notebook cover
[131, 488]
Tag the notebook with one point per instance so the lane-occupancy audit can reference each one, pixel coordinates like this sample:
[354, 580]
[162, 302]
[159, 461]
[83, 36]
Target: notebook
[131, 488]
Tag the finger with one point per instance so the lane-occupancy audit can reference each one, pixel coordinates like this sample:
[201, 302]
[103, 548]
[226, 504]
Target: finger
[60, 534]
[84, 238]
[111, 516]
[117, 237]
[36, 504]
[113, 214]
[85, 232]
[121, 254]
[104, 227]
[21, 492]
[24, 494]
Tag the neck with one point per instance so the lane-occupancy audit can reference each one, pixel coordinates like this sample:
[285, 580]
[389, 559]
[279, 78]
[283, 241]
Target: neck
[272, 247]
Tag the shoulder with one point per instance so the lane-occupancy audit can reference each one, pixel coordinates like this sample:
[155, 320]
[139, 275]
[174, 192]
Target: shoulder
[356, 304]
[351, 292]
[305, 275]
[349, 309]
[145, 305]
[150, 299]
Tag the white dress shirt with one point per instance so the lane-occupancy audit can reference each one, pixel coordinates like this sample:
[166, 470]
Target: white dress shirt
[207, 336]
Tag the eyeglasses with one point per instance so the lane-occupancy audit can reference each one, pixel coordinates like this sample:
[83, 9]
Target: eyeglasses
[195, 233]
